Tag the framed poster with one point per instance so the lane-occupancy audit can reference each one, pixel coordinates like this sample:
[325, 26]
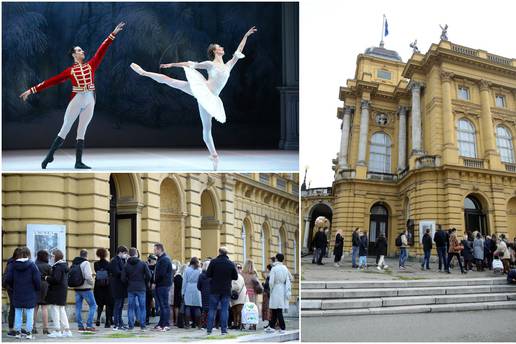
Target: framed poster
[423, 225]
[46, 237]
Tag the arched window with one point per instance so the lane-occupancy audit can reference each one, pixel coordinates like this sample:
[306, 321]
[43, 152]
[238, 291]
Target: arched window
[467, 138]
[380, 153]
[504, 144]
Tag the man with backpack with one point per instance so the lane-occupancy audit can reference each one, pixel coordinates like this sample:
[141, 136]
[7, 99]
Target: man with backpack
[80, 278]
[427, 249]
[136, 275]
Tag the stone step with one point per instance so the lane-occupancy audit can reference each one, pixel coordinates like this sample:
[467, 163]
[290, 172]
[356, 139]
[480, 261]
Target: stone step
[318, 294]
[453, 307]
[404, 301]
[402, 283]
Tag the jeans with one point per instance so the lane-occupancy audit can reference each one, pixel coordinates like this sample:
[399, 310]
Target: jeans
[362, 261]
[354, 255]
[18, 319]
[443, 262]
[118, 307]
[426, 259]
[156, 304]
[162, 298]
[224, 307]
[136, 299]
[319, 252]
[403, 256]
[87, 295]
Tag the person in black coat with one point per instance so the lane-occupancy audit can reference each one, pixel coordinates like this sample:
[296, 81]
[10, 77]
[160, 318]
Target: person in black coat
[354, 247]
[24, 278]
[136, 275]
[56, 296]
[320, 242]
[44, 270]
[338, 248]
[381, 251]
[363, 247]
[427, 249]
[102, 288]
[178, 286]
[149, 296]
[222, 272]
[203, 284]
[10, 318]
[467, 253]
[441, 245]
[118, 288]
[163, 274]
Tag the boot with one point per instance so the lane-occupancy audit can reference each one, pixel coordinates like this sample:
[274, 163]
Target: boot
[58, 142]
[187, 321]
[78, 156]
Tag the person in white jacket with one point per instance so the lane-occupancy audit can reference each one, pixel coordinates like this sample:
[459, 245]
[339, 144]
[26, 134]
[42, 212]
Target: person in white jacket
[238, 286]
[280, 281]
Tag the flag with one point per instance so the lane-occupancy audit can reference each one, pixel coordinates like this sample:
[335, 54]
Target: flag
[386, 28]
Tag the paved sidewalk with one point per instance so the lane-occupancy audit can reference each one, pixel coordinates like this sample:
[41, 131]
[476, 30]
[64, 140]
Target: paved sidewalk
[328, 272]
[174, 335]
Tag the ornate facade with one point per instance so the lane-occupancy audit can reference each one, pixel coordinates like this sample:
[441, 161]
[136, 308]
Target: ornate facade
[429, 141]
[254, 215]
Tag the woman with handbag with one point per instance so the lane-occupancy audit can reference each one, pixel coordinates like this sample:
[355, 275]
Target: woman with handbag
[454, 250]
[238, 298]
[44, 269]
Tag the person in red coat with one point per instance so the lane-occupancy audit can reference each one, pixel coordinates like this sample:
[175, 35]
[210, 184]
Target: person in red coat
[82, 99]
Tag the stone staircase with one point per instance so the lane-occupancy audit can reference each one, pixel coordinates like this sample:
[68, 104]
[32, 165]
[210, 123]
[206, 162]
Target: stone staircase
[405, 296]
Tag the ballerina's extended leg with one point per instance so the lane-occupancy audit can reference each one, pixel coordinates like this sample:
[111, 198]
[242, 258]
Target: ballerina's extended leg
[163, 79]
[208, 139]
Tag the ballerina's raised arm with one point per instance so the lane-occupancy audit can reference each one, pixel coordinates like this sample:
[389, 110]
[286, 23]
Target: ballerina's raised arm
[238, 53]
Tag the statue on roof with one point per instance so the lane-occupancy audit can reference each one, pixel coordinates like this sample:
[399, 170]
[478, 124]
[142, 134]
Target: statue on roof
[414, 47]
[444, 32]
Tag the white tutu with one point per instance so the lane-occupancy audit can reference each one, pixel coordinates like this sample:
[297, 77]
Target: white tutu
[209, 101]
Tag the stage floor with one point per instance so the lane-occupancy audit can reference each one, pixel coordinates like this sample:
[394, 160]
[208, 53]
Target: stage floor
[154, 159]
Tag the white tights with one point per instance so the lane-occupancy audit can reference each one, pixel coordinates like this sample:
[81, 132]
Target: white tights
[81, 106]
[59, 318]
[205, 117]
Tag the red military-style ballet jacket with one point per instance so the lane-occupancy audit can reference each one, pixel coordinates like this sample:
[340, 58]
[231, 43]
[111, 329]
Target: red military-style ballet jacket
[81, 75]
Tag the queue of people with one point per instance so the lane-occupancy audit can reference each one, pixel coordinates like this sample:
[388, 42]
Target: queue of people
[205, 294]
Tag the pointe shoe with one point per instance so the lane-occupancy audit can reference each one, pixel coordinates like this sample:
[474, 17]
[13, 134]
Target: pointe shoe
[137, 68]
[215, 160]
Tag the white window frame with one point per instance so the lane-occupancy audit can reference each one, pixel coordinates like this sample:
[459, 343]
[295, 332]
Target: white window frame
[462, 88]
[506, 150]
[465, 143]
[376, 162]
[502, 99]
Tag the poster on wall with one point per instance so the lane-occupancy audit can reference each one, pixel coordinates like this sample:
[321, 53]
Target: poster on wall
[46, 237]
[423, 226]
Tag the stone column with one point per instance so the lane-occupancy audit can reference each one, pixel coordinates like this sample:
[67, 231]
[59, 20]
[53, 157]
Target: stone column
[415, 87]
[402, 138]
[305, 234]
[487, 128]
[450, 152]
[344, 138]
[364, 130]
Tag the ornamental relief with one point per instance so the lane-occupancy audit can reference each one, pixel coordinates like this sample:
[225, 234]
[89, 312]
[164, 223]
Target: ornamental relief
[383, 119]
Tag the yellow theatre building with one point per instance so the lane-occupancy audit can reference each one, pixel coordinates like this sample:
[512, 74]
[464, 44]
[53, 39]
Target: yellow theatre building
[425, 143]
[254, 215]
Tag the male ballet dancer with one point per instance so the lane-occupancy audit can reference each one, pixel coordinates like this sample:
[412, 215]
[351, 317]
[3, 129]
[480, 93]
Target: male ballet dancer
[82, 99]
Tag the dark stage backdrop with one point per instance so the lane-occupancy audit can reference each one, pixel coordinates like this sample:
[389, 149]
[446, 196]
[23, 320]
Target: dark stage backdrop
[133, 111]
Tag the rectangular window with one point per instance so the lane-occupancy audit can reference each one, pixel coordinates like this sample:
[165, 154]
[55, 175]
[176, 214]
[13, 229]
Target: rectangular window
[463, 93]
[281, 183]
[500, 101]
[264, 178]
[383, 74]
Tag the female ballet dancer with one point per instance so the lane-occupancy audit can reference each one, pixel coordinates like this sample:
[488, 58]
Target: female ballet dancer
[82, 99]
[205, 91]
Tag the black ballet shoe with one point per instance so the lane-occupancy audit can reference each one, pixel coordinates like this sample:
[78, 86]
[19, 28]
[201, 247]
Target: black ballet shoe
[58, 142]
[78, 156]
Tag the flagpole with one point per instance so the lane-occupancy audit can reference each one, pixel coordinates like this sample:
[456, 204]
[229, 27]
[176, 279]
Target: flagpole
[383, 31]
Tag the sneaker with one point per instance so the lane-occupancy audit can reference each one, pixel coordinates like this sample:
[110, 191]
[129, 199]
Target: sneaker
[11, 333]
[281, 331]
[55, 334]
[91, 329]
[269, 330]
[97, 323]
[18, 334]
[34, 331]
[379, 268]
[157, 328]
[23, 332]
[224, 334]
[115, 328]
[143, 329]
[81, 329]
[28, 336]
[67, 333]
[165, 329]
[208, 333]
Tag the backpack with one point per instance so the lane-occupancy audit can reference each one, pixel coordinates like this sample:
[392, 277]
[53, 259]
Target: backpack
[398, 240]
[75, 277]
[102, 278]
